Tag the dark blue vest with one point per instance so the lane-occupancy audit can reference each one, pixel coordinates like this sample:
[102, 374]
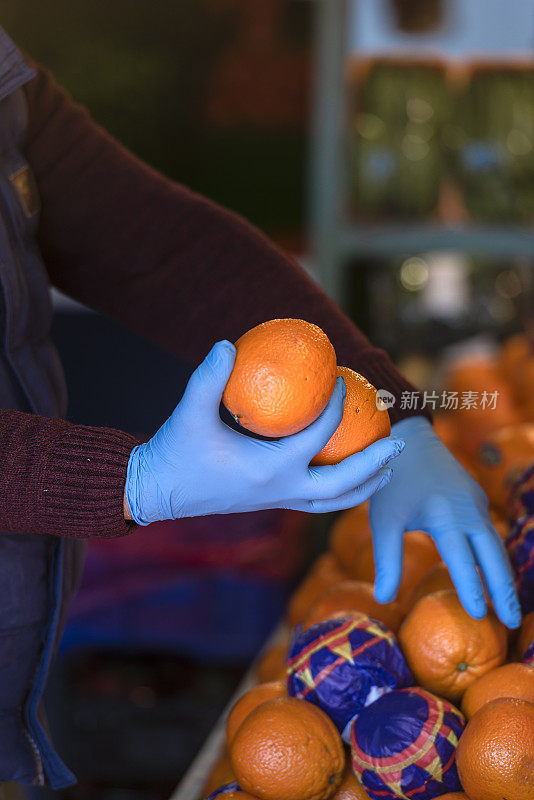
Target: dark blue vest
[38, 574]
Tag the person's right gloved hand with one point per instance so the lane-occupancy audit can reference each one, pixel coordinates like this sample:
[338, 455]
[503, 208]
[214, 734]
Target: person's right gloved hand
[195, 464]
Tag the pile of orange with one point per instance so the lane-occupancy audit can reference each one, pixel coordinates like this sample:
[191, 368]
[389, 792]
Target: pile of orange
[281, 748]
[283, 377]
[472, 380]
[494, 441]
[451, 654]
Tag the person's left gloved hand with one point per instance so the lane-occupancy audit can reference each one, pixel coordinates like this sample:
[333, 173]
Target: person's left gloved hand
[432, 492]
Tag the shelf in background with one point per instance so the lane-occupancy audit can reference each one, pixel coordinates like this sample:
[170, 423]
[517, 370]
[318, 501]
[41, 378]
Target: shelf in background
[389, 239]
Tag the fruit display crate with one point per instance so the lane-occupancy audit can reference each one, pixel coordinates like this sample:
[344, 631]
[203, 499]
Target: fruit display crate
[192, 783]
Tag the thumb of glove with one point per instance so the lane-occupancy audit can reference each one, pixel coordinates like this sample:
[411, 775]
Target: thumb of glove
[206, 384]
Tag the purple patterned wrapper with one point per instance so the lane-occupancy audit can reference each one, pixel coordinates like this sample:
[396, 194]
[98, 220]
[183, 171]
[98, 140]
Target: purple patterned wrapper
[404, 745]
[520, 547]
[522, 495]
[344, 664]
[528, 658]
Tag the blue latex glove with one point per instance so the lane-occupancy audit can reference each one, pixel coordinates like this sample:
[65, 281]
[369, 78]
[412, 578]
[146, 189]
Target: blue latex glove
[195, 464]
[431, 491]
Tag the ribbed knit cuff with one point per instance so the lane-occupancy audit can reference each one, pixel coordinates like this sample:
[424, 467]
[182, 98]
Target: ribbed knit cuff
[81, 483]
[407, 400]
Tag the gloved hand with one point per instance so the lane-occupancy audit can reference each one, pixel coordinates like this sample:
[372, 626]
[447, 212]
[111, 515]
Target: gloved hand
[431, 491]
[195, 464]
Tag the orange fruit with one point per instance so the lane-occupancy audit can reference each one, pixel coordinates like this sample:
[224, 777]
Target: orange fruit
[500, 523]
[364, 420]
[323, 574]
[502, 458]
[288, 749]
[466, 460]
[495, 755]
[249, 701]
[453, 796]
[350, 596]
[272, 664]
[419, 555]
[527, 408]
[497, 517]
[350, 531]
[524, 389]
[436, 579]
[350, 788]
[445, 427]
[515, 352]
[447, 650]
[510, 680]
[522, 380]
[221, 774]
[480, 374]
[526, 634]
[235, 794]
[283, 377]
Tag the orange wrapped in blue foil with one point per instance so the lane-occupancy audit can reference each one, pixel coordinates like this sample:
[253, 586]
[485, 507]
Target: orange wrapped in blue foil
[404, 745]
[227, 791]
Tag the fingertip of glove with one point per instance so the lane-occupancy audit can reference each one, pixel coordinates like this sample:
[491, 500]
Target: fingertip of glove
[222, 355]
[225, 346]
[478, 611]
[514, 616]
[386, 474]
[400, 444]
[383, 596]
[384, 590]
[341, 387]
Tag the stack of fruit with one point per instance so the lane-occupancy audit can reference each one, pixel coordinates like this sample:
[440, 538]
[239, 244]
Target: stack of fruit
[491, 432]
[393, 698]
[363, 699]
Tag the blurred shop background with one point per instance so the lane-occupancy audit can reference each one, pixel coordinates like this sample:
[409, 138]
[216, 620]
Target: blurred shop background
[388, 144]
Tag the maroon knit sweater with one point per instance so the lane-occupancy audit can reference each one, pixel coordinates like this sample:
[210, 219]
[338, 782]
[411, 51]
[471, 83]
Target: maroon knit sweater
[126, 241]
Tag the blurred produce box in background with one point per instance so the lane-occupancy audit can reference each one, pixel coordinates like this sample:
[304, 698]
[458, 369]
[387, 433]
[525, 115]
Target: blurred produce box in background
[415, 125]
[399, 107]
[493, 142]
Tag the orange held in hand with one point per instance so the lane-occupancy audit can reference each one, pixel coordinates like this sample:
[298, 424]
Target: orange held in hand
[251, 700]
[495, 756]
[288, 749]
[365, 420]
[447, 650]
[283, 377]
[510, 680]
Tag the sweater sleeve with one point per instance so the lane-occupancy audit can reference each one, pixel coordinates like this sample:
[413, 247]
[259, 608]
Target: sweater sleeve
[126, 241]
[60, 478]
